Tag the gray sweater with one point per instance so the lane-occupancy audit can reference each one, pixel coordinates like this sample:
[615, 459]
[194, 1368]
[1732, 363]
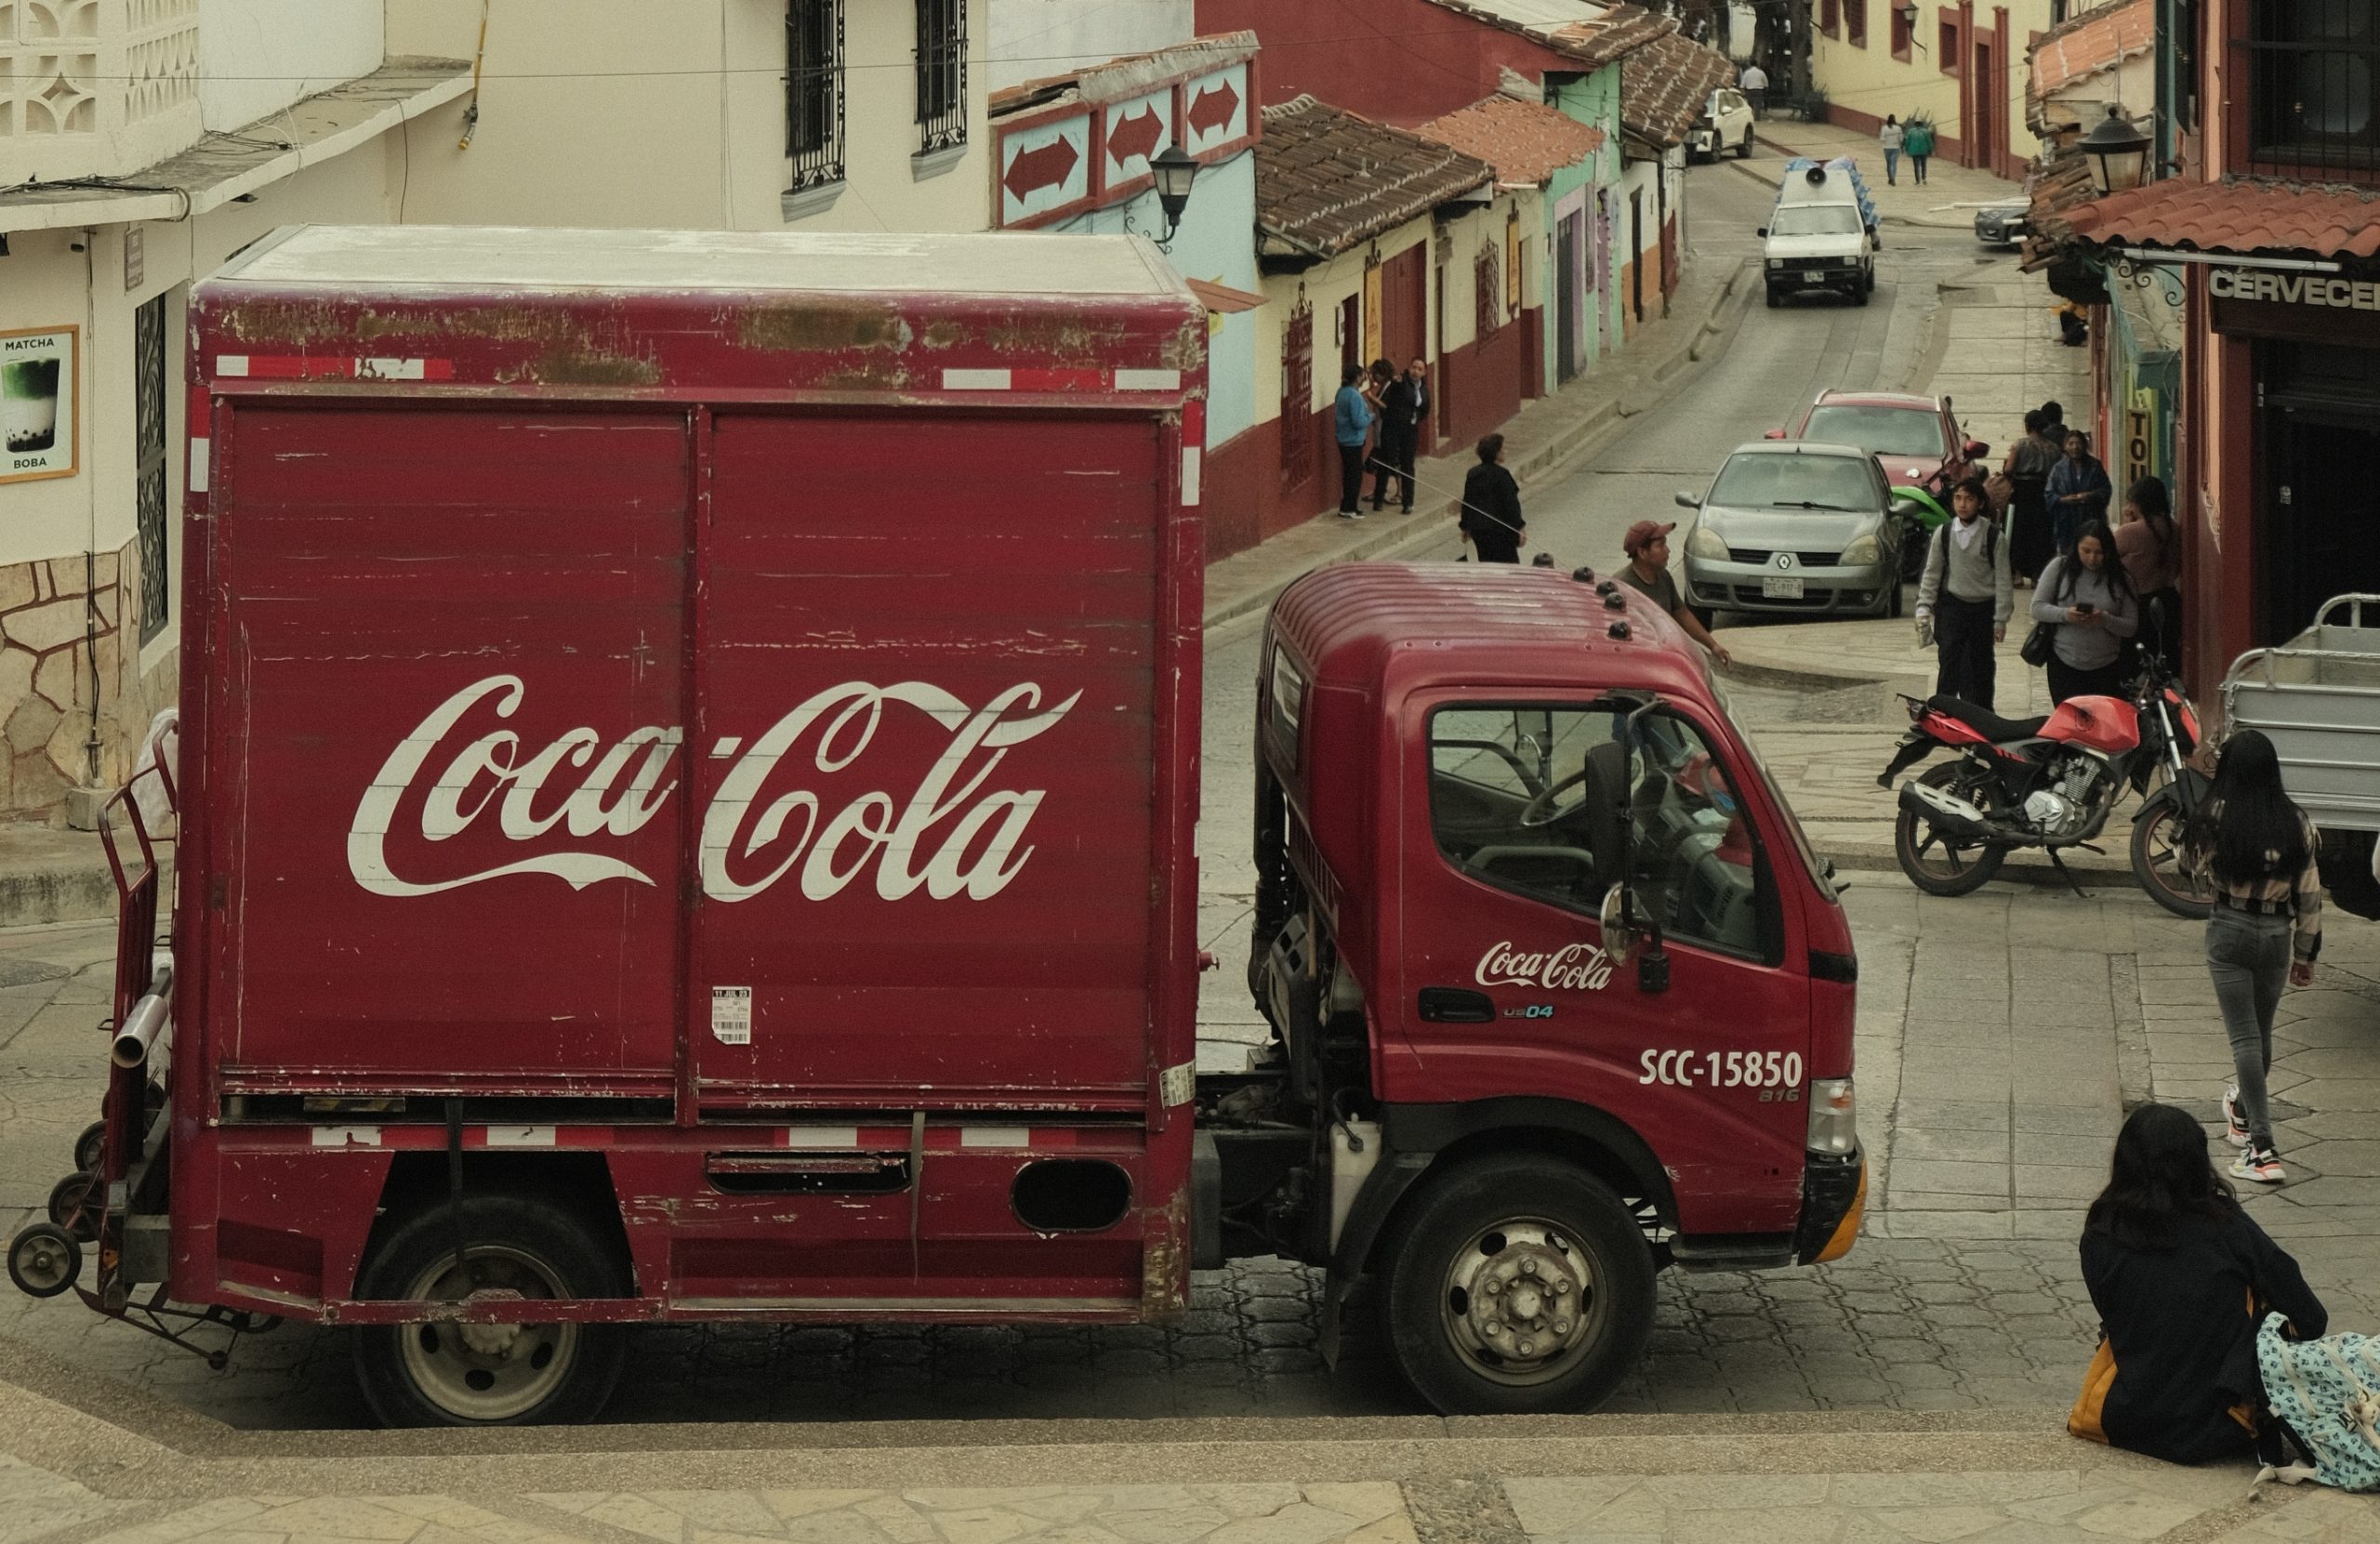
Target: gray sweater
[1972, 576]
[2085, 646]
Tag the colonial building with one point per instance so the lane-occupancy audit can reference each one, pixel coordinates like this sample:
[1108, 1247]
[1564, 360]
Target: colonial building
[1963, 66]
[140, 145]
[2261, 221]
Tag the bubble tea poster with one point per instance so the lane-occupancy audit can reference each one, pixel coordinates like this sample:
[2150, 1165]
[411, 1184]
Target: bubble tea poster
[38, 431]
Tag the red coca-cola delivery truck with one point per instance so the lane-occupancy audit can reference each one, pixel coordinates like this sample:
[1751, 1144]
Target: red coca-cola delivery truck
[685, 787]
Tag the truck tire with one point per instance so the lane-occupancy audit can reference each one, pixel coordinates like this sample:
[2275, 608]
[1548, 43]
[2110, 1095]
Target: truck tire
[490, 1375]
[1492, 1255]
[1860, 292]
[1773, 301]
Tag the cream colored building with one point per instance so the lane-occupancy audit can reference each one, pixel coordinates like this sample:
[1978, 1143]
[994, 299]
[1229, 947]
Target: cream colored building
[142, 143]
[722, 114]
[1963, 65]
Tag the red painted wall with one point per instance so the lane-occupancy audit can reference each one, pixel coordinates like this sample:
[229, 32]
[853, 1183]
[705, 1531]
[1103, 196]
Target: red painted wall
[1396, 61]
[1488, 378]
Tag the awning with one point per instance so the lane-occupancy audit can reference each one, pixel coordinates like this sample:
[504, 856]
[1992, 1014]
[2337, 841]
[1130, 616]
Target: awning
[221, 168]
[1222, 299]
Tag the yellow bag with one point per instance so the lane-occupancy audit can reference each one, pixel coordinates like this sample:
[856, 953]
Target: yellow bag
[2083, 1419]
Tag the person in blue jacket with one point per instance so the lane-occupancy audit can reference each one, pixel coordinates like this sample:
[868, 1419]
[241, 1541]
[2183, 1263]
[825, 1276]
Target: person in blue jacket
[2078, 492]
[1351, 421]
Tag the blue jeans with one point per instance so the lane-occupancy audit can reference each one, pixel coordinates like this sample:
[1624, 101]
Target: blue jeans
[2248, 958]
[1892, 165]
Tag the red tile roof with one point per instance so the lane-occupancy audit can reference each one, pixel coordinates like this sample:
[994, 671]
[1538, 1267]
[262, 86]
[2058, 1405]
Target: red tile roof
[1664, 86]
[2094, 41]
[2237, 215]
[1328, 178]
[1526, 142]
[1593, 35]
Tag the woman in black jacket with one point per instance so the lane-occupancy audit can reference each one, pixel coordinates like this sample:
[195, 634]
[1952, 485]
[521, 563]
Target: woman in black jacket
[2181, 1277]
[1491, 506]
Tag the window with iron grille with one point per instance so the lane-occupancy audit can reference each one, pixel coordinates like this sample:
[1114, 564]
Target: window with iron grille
[1854, 22]
[1297, 397]
[2313, 78]
[1831, 17]
[1488, 285]
[1904, 27]
[148, 473]
[941, 75]
[813, 91]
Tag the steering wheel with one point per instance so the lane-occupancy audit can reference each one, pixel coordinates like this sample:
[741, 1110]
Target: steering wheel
[1540, 813]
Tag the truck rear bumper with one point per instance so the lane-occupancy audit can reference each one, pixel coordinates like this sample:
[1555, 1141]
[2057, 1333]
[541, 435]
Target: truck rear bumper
[1834, 1198]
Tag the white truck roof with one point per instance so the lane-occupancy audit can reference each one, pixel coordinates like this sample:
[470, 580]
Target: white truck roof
[406, 256]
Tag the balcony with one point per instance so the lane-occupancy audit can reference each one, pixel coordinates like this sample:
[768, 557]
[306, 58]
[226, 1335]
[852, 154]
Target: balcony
[90, 88]
[2313, 71]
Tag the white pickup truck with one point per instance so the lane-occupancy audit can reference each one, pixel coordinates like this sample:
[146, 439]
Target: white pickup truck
[2317, 697]
[1821, 237]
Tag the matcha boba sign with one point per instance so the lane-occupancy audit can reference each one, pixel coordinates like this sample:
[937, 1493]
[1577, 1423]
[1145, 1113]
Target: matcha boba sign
[37, 395]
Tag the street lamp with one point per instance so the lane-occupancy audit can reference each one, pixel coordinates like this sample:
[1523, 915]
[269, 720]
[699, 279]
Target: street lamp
[1172, 171]
[2118, 153]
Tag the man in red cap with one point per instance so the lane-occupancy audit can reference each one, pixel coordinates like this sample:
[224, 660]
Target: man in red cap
[1647, 545]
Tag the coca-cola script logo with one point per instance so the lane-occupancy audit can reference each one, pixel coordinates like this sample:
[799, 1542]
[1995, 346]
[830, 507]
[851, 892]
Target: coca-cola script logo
[1574, 968]
[949, 835]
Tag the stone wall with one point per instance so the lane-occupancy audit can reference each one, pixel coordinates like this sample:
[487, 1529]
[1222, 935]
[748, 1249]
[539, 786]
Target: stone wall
[52, 624]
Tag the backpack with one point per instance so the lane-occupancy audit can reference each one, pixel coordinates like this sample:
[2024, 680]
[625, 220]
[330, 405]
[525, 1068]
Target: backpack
[1991, 545]
[2326, 1393]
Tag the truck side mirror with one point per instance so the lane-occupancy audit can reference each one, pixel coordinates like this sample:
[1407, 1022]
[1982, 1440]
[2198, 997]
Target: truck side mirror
[1762, 233]
[1774, 434]
[1686, 500]
[1978, 450]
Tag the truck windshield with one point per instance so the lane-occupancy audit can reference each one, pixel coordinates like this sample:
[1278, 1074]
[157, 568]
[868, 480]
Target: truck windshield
[1765, 479]
[1814, 219]
[1885, 430]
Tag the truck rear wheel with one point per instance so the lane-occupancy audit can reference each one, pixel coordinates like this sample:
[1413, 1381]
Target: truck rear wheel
[1517, 1285]
[489, 1375]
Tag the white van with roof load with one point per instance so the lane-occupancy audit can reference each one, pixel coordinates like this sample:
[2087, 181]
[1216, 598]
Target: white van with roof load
[1822, 236]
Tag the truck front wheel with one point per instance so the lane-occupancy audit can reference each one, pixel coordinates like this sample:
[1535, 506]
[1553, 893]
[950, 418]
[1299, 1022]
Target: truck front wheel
[494, 1374]
[1517, 1285]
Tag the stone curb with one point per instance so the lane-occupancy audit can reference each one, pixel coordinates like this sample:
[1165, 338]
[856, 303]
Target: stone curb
[1546, 463]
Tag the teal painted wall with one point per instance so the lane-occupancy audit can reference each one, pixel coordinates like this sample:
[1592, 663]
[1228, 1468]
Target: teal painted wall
[1594, 101]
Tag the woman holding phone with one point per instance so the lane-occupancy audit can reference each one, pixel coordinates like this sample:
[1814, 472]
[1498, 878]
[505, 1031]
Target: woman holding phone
[2085, 597]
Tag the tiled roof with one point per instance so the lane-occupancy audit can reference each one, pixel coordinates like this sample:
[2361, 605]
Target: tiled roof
[1526, 142]
[1327, 178]
[1127, 76]
[2056, 188]
[2094, 41]
[1664, 86]
[1593, 35]
[2238, 214]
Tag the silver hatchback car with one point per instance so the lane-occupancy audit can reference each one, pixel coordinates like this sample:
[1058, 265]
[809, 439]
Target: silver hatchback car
[1796, 527]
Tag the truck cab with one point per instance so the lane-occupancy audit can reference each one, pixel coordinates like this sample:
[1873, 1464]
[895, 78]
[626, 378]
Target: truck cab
[1553, 972]
[1822, 236]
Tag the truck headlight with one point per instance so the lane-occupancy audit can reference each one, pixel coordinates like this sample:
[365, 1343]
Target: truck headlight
[1833, 1130]
[1776, 262]
[1705, 544]
[1863, 550]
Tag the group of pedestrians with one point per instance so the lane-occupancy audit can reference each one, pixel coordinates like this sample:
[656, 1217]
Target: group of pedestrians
[1914, 139]
[2043, 525]
[1380, 410]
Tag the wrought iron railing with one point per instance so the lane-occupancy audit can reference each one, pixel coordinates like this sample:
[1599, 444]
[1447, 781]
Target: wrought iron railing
[2313, 70]
[942, 74]
[813, 92]
[153, 529]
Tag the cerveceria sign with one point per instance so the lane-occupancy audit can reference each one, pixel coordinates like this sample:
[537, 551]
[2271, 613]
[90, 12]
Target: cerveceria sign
[2293, 289]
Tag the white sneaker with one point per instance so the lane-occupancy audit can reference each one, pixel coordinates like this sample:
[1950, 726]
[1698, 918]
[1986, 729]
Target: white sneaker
[2263, 1168]
[2235, 1129]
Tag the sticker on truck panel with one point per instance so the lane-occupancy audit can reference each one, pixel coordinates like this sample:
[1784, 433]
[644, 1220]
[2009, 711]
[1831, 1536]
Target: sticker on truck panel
[1777, 1073]
[731, 1015]
[1573, 967]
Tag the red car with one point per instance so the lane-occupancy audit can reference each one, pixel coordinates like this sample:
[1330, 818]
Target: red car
[1915, 439]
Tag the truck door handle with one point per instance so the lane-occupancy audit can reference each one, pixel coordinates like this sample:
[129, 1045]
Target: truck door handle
[1455, 1005]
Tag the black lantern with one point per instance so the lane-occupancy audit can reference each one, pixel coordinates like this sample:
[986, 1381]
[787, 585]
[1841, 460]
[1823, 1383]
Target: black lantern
[2118, 153]
[1172, 171]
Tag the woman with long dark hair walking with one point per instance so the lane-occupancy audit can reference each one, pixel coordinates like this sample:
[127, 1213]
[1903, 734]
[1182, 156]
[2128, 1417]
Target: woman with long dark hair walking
[2255, 847]
[2084, 596]
[2179, 1272]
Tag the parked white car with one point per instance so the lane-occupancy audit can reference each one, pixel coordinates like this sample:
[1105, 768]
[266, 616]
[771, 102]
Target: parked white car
[1725, 125]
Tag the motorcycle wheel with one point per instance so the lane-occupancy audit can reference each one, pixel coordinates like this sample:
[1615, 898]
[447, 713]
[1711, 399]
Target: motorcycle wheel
[1933, 863]
[2156, 858]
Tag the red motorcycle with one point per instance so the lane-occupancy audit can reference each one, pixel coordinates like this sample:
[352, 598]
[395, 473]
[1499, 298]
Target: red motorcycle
[2051, 782]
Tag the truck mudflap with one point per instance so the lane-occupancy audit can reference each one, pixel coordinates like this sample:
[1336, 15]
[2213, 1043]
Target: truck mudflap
[1835, 1198]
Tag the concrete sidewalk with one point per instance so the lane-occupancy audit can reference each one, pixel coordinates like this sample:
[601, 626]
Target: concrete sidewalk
[1946, 199]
